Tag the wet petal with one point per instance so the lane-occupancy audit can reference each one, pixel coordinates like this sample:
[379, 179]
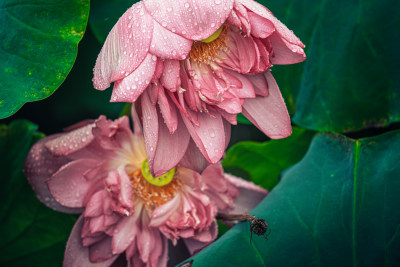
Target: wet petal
[125, 195]
[194, 246]
[231, 118]
[101, 251]
[68, 185]
[245, 52]
[193, 158]
[132, 86]
[280, 27]
[150, 128]
[195, 20]
[241, 13]
[72, 141]
[161, 214]
[285, 52]
[78, 255]
[169, 146]
[209, 136]
[168, 45]
[40, 164]
[153, 92]
[233, 105]
[260, 27]
[93, 207]
[159, 256]
[137, 125]
[124, 234]
[125, 48]
[260, 84]
[269, 114]
[247, 89]
[145, 242]
[170, 77]
[168, 110]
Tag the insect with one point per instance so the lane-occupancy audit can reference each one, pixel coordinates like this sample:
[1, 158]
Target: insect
[257, 225]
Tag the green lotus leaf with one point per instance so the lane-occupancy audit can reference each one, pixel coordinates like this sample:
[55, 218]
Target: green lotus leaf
[337, 207]
[38, 47]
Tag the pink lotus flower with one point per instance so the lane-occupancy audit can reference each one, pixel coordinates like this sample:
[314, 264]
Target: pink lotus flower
[100, 168]
[202, 62]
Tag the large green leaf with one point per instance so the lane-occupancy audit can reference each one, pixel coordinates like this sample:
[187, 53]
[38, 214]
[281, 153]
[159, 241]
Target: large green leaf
[31, 234]
[336, 207]
[263, 162]
[351, 78]
[75, 100]
[38, 47]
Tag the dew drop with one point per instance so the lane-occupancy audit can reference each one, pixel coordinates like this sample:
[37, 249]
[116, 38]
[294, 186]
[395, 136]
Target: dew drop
[211, 132]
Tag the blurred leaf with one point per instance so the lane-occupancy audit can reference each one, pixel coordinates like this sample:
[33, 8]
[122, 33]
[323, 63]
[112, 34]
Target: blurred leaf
[38, 48]
[351, 78]
[126, 111]
[104, 14]
[336, 207]
[242, 119]
[264, 162]
[31, 234]
[222, 228]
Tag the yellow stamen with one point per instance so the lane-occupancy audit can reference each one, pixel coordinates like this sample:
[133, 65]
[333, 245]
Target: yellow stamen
[152, 195]
[206, 50]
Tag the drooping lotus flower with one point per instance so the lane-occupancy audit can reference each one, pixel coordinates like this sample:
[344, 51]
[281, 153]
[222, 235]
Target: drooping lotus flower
[100, 168]
[191, 66]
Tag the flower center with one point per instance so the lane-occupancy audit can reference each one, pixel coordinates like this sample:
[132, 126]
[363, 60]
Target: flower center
[162, 180]
[207, 49]
[154, 191]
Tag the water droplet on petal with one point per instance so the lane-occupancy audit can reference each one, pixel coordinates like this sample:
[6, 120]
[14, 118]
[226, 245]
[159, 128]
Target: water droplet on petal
[211, 133]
